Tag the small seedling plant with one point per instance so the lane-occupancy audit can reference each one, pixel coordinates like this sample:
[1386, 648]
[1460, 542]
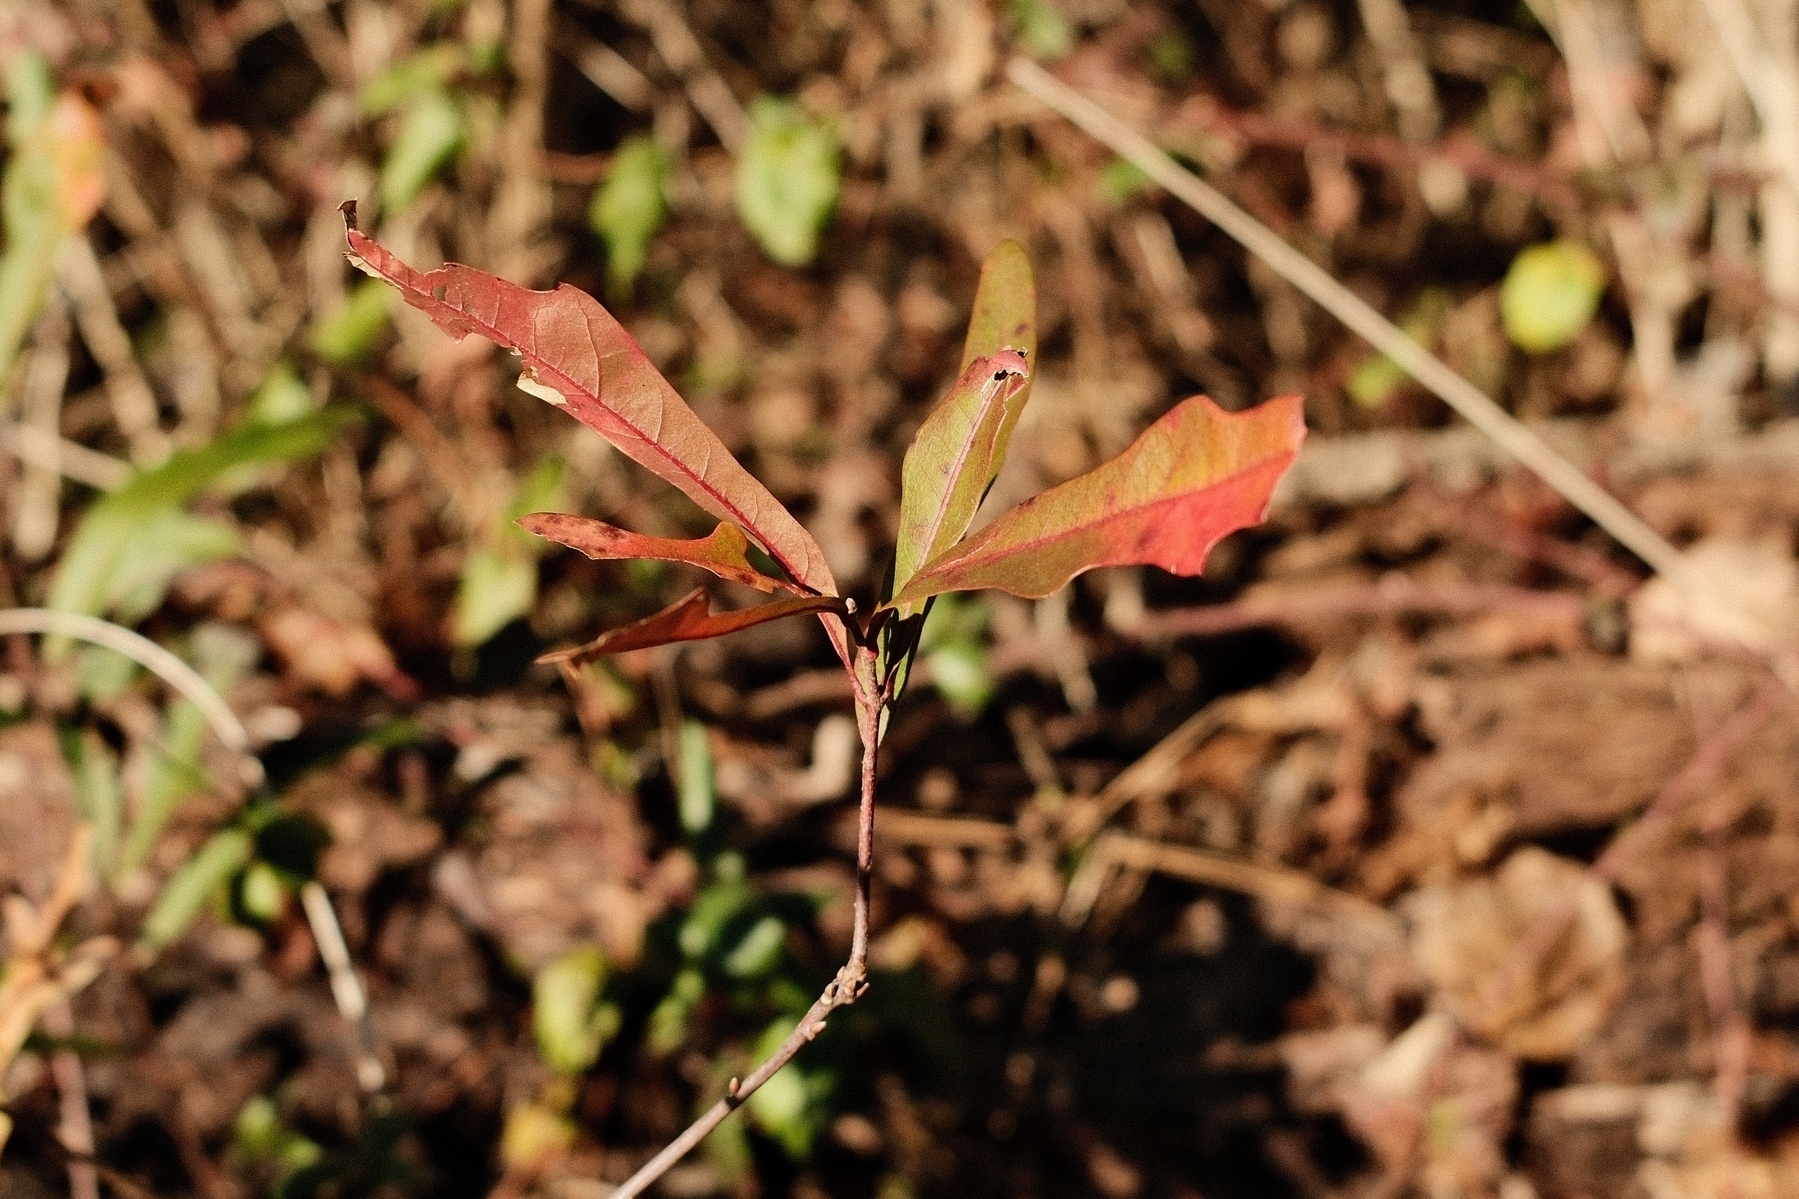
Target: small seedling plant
[1194, 476]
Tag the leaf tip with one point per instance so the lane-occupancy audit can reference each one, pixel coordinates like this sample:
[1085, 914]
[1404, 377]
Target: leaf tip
[348, 208]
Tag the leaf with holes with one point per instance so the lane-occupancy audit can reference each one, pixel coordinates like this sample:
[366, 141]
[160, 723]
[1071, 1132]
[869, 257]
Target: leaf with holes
[579, 358]
[1194, 476]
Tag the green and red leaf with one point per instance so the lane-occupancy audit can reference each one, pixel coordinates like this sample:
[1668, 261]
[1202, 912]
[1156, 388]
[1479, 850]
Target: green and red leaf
[959, 448]
[691, 619]
[578, 357]
[724, 552]
[1005, 306]
[1194, 476]
[954, 457]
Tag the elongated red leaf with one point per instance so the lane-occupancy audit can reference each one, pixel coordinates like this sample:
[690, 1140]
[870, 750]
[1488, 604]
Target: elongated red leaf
[723, 551]
[691, 619]
[579, 358]
[1194, 476]
[958, 450]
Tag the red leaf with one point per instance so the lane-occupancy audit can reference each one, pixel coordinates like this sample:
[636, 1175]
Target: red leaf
[1194, 476]
[690, 619]
[723, 552]
[579, 358]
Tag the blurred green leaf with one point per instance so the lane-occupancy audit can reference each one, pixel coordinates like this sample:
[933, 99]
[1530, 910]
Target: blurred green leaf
[695, 799]
[669, 1019]
[131, 542]
[540, 489]
[54, 183]
[282, 396]
[953, 644]
[789, 1106]
[259, 1136]
[758, 951]
[198, 880]
[1377, 378]
[712, 909]
[96, 773]
[1171, 56]
[416, 75]
[30, 89]
[788, 176]
[262, 893]
[498, 585]
[532, 1134]
[1121, 181]
[570, 1022]
[1549, 295]
[430, 134]
[629, 207]
[169, 542]
[349, 331]
[499, 579]
[1042, 29]
[959, 670]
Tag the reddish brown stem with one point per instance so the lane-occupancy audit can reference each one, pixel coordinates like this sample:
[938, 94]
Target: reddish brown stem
[843, 990]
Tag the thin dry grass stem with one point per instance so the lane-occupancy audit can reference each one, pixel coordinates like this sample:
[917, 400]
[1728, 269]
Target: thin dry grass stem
[604, 67]
[133, 403]
[1731, 1029]
[152, 657]
[1270, 884]
[1772, 88]
[46, 374]
[75, 1125]
[1391, 595]
[36, 447]
[1693, 781]
[1527, 447]
[902, 826]
[35, 977]
[677, 46]
[1383, 150]
[346, 988]
[851, 980]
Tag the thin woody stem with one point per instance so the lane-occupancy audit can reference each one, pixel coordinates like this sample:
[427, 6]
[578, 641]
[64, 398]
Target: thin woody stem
[843, 990]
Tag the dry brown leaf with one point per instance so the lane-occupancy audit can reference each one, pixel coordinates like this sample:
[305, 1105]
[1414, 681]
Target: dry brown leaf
[1465, 933]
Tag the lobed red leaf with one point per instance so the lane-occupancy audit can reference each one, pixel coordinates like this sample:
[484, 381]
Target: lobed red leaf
[578, 357]
[1194, 476]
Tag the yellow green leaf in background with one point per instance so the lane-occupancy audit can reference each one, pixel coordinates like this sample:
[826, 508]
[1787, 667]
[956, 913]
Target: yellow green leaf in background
[430, 134]
[629, 207]
[1549, 295]
[788, 176]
